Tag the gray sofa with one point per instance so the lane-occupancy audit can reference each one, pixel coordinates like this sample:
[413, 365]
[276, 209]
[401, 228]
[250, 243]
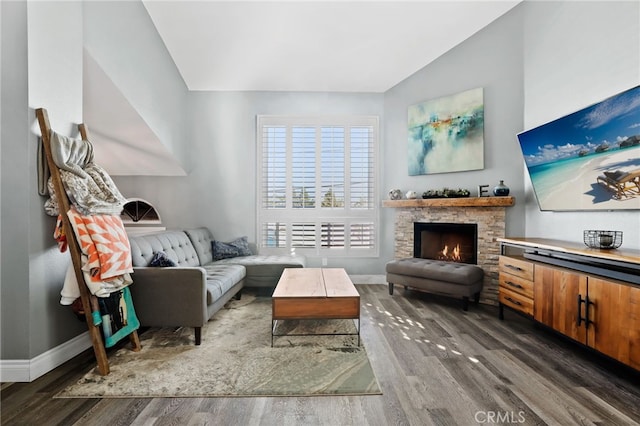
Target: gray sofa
[189, 294]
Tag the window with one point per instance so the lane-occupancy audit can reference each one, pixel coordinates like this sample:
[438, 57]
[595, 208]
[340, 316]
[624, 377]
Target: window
[317, 185]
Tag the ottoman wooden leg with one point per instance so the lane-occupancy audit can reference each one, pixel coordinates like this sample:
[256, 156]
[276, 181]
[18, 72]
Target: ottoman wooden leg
[465, 303]
[391, 288]
[476, 298]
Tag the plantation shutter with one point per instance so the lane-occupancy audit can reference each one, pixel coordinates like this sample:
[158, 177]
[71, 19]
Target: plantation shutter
[361, 167]
[274, 170]
[303, 167]
[317, 185]
[332, 166]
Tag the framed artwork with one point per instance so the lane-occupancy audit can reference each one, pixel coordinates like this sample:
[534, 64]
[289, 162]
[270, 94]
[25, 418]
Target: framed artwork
[447, 134]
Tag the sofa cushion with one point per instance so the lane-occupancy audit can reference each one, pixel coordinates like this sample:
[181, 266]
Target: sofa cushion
[221, 278]
[201, 240]
[261, 270]
[175, 244]
[235, 248]
[264, 270]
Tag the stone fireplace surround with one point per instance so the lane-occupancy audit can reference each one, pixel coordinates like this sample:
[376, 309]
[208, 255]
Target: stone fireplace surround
[491, 225]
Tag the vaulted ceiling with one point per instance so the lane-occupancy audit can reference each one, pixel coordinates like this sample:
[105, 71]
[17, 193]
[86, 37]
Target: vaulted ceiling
[299, 46]
[343, 46]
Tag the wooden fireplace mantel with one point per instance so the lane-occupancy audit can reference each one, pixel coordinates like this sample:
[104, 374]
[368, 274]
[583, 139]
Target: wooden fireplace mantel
[452, 202]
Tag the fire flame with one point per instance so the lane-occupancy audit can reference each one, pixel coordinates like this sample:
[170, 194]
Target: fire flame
[453, 255]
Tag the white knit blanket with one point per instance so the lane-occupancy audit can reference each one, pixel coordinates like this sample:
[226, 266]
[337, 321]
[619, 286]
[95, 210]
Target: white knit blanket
[89, 187]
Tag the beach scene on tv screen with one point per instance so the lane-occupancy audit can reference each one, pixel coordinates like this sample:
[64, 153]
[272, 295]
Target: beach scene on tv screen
[588, 160]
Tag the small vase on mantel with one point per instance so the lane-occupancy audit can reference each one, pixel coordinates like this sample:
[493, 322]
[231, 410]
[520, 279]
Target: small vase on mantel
[501, 190]
[395, 194]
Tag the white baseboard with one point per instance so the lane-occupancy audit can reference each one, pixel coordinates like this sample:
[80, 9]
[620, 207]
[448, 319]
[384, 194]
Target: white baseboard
[27, 370]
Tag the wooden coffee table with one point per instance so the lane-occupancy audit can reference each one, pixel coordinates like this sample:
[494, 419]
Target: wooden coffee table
[315, 293]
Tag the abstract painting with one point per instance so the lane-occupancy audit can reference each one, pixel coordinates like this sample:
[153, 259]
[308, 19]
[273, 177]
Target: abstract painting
[447, 134]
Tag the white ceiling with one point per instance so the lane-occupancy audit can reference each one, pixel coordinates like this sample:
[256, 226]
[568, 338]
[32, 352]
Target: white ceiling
[343, 46]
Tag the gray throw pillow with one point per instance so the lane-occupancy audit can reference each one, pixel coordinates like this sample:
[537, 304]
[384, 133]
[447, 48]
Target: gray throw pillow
[235, 248]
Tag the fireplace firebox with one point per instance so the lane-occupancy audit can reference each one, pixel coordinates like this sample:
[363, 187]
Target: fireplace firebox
[453, 242]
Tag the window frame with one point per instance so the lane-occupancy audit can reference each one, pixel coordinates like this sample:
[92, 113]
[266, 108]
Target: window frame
[366, 218]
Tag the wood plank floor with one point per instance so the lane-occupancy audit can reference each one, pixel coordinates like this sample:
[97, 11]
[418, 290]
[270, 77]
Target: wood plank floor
[435, 365]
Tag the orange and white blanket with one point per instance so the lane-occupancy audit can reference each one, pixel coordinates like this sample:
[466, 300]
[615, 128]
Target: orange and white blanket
[103, 239]
[106, 255]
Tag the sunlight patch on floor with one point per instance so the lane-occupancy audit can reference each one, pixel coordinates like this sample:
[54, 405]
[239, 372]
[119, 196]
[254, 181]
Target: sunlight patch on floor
[405, 325]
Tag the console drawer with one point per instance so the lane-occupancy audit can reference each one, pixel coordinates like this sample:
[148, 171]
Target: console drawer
[516, 301]
[516, 284]
[517, 266]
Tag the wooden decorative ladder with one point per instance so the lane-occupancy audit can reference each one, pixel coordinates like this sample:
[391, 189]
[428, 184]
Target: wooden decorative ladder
[89, 301]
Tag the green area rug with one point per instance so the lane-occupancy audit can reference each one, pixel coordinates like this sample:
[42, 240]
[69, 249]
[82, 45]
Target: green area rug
[236, 359]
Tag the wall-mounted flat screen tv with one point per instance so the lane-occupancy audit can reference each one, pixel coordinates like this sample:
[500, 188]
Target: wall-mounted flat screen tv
[587, 160]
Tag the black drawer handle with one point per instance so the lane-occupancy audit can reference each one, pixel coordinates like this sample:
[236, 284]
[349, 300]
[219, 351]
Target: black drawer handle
[515, 268]
[515, 302]
[514, 284]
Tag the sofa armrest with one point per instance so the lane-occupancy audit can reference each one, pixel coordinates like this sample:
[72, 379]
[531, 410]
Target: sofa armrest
[170, 296]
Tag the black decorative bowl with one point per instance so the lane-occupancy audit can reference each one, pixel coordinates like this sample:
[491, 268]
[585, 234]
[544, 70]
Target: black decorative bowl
[603, 239]
[446, 194]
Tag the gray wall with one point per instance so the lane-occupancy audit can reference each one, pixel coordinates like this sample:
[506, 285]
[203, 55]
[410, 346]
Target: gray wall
[55, 83]
[122, 39]
[14, 182]
[491, 59]
[220, 191]
[45, 71]
[42, 50]
[584, 53]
